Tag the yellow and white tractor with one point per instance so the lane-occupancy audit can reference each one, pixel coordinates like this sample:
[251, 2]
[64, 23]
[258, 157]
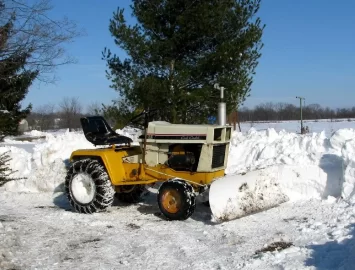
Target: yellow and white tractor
[185, 158]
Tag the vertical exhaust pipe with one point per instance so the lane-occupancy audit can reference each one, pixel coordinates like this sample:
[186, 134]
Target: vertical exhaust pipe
[222, 114]
[222, 111]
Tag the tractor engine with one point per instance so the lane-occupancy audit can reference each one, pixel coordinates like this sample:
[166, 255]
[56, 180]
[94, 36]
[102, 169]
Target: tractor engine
[194, 148]
[181, 157]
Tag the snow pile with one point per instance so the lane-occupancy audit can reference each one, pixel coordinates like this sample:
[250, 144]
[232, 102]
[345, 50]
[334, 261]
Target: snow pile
[309, 166]
[341, 137]
[35, 133]
[59, 147]
[348, 152]
[20, 161]
[313, 166]
[260, 149]
[40, 179]
[45, 168]
[130, 132]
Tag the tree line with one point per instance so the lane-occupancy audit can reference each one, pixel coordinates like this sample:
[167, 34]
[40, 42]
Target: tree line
[286, 111]
[67, 113]
[64, 115]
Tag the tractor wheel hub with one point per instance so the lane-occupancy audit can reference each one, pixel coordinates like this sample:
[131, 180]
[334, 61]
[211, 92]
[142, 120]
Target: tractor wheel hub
[83, 188]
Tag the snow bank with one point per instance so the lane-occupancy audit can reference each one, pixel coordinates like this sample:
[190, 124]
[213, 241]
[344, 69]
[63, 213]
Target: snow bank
[35, 133]
[348, 152]
[321, 166]
[45, 168]
[310, 166]
[260, 149]
[20, 161]
[59, 147]
[340, 138]
[41, 179]
[132, 133]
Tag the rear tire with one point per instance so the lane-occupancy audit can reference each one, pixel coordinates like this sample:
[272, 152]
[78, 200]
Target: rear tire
[88, 187]
[130, 194]
[176, 200]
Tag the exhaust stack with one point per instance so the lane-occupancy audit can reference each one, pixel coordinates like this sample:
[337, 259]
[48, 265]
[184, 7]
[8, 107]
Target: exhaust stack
[222, 111]
[222, 114]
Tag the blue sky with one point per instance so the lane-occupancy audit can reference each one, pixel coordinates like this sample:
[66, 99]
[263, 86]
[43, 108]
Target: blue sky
[309, 51]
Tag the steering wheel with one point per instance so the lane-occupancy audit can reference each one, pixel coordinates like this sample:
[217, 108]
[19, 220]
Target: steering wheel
[141, 120]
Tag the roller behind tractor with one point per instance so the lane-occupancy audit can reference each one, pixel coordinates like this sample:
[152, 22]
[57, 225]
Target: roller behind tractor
[185, 158]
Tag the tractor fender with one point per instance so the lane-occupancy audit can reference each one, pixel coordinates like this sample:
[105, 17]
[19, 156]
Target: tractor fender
[111, 159]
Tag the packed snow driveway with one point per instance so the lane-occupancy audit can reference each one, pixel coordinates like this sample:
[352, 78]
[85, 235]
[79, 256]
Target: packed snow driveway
[38, 231]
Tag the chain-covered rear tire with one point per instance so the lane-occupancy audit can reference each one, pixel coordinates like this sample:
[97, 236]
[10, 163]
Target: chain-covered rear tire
[176, 199]
[88, 186]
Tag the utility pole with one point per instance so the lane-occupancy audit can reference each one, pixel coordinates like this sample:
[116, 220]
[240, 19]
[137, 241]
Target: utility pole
[301, 99]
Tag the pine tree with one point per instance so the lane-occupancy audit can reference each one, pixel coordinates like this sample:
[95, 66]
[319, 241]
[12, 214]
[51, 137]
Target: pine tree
[179, 49]
[14, 83]
[5, 171]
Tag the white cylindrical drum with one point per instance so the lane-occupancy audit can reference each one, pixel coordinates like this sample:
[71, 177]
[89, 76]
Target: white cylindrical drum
[236, 196]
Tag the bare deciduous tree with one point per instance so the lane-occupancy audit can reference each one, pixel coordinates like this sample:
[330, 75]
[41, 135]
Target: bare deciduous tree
[94, 109]
[70, 113]
[42, 117]
[35, 33]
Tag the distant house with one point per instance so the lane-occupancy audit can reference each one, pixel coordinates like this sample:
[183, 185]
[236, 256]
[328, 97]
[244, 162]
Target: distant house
[57, 122]
[23, 126]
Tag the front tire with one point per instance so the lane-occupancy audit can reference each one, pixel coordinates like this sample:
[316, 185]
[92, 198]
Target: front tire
[88, 187]
[176, 200]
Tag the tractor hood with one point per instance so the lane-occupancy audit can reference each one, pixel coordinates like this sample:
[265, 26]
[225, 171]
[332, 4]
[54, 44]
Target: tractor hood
[164, 131]
[98, 132]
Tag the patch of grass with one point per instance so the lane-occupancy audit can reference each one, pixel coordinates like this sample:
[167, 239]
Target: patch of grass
[91, 240]
[76, 245]
[276, 246]
[133, 226]
[4, 218]
[299, 220]
[243, 187]
[46, 206]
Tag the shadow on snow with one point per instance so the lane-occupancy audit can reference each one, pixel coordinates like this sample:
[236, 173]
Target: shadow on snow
[334, 254]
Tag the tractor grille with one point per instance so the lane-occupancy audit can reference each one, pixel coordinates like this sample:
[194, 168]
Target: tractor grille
[219, 152]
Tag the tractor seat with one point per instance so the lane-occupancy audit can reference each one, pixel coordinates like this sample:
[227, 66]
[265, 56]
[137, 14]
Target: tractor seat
[98, 132]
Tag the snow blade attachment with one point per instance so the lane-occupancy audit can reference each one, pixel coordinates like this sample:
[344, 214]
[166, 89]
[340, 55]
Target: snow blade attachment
[236, 196]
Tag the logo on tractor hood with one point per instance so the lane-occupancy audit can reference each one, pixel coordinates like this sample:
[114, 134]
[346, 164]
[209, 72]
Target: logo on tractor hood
[177, 136]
